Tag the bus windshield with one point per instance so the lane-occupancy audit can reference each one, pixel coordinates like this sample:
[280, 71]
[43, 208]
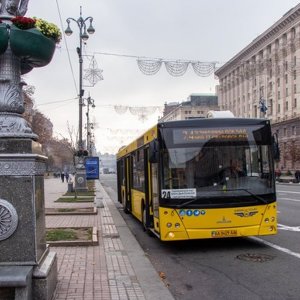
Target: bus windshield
[217, 173]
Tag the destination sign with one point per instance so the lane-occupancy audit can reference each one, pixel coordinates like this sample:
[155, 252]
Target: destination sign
[190, 135]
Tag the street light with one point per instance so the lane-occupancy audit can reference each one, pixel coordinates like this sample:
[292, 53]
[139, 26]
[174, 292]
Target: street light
[80, 178]
[83, 36]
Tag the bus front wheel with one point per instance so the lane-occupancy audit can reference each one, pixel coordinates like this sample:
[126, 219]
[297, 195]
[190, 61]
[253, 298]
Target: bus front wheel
[124, 203]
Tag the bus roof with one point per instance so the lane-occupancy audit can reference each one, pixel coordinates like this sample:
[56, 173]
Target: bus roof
[214, 122]
[152, 133]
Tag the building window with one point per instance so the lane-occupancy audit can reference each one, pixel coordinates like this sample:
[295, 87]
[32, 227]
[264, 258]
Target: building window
[284, 131]
[295, 102]
[278, 94]
[295, 75]
[271, 106]
[286, 78]
[278, 108]
[293, 130]
[295, 88]
[286, 92]
[286, 105]
[278, 82]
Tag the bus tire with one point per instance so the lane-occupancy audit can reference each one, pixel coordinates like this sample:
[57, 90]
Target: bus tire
[146, 229]
[124, 203]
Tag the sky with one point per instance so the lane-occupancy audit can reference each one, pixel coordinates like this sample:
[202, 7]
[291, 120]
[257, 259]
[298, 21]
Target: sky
[196, 30]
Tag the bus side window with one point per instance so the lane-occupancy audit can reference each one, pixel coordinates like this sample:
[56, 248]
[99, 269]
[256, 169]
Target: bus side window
[153, 152]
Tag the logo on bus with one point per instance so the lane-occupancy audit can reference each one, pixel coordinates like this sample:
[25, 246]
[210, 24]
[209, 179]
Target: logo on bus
[191, 212]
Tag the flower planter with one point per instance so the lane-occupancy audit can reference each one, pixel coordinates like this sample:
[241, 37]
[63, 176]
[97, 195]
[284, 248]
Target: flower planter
[3, 38]
[31, 46]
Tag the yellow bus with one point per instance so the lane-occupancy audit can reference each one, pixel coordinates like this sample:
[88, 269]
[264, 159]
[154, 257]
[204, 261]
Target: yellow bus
[201, 178]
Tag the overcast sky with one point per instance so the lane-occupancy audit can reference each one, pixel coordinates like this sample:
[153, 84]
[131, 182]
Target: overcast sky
[198, 30]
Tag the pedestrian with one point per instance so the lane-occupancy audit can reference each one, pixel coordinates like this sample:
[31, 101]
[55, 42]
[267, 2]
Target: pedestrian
[67, 176]
[277, 174]
[297, 176]
[62, 176]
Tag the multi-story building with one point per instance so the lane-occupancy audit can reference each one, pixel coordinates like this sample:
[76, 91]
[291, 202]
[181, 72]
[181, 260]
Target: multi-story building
[196, 106]
[266, 74]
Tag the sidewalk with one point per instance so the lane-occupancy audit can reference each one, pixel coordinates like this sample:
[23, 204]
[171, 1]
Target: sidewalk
[116, 269]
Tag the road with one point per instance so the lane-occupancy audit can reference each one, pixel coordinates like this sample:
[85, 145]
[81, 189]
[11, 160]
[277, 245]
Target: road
[243, 268]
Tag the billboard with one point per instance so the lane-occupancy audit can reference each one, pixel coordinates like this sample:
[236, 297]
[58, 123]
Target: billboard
[92, 167]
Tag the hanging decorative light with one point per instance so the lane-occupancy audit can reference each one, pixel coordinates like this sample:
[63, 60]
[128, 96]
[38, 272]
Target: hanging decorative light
[93, 74]
[176, 68]
[203, 69]
[149, 67]
[120, 109]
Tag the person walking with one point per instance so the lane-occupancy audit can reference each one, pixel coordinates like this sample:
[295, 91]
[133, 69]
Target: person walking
[297, 176]
[67, 176]
[62, 176]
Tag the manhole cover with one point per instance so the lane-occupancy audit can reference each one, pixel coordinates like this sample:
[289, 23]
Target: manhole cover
[255, 257]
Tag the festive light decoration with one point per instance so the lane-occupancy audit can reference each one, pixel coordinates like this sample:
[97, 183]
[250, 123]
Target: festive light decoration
[93, 74]
[175, 68]
[149, 67]
[203, 69]
[141, 111]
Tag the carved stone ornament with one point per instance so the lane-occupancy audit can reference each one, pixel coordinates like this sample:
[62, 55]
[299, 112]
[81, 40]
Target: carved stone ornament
[13, 125]
[22, 168]
[8, 219]
[80, 179]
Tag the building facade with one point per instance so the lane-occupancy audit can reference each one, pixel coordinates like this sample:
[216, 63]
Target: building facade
[196, 106]
[263, 80]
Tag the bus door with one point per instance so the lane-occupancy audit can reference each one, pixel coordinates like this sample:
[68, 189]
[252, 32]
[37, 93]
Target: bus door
[148, 191]
[155, 195]
[128, 184]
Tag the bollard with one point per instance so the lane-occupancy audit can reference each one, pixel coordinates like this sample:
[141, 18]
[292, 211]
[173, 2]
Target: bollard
[70, 187]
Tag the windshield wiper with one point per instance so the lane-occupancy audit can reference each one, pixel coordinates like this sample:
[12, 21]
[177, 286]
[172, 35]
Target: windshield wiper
[250, 193]
[187, 202]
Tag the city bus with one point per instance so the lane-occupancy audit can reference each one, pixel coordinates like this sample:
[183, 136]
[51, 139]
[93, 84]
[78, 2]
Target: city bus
[201, 178]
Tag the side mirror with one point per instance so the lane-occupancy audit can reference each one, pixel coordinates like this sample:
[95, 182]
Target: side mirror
[153, 152]
[275, 146]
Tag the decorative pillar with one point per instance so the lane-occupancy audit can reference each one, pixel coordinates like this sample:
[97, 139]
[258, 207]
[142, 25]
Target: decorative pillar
[23, 248]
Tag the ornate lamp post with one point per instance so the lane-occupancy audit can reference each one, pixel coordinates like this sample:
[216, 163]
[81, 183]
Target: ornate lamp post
[80, 180]
[83, 36]
[25, 254]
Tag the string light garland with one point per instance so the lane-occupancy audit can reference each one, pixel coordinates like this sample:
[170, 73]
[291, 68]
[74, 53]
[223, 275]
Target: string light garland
[176, 68]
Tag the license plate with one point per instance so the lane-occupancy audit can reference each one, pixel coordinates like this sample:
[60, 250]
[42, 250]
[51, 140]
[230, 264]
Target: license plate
[223, 233]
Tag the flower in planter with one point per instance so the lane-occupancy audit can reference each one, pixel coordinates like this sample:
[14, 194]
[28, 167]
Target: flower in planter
[49, 30]
[23, 22]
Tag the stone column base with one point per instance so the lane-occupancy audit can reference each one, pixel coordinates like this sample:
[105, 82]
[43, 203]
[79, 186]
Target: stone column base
[44, 278]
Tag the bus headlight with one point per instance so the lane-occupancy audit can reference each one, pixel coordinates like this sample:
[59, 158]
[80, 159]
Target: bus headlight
[177, 225]
[169, 225]
[267, 220]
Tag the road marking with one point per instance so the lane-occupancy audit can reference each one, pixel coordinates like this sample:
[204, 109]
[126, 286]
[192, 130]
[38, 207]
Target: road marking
[288, 228]
[288, 192]
[289, 199]
[285, 250]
